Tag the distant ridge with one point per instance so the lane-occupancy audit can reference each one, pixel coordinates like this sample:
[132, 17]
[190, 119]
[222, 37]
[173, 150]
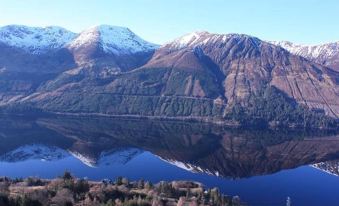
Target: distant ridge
[326, 54]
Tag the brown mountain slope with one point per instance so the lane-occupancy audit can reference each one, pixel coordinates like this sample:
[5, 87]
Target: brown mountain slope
[245, 64]
[228, 78]
[29, 62]
[110, 48]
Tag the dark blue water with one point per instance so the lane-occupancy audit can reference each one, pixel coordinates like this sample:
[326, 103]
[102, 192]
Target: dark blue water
[262, 168]
[304, 185]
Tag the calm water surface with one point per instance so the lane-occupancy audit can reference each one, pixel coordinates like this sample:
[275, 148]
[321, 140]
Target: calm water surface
[262, 167]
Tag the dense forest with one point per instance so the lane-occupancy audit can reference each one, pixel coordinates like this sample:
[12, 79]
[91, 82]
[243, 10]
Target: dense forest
[271, 107]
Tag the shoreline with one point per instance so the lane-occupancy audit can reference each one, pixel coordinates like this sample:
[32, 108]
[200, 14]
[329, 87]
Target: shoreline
[192, 119]
[68, 190]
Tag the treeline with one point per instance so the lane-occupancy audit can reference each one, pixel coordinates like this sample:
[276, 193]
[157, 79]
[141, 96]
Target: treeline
[271, 107]
[21, 109]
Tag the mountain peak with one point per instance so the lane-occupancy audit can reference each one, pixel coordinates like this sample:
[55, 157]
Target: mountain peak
[189, 39]
[35, 39]
[106, 27]
[113, 39]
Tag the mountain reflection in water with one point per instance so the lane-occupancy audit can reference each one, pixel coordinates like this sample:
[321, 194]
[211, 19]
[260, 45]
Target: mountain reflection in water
[200, 148]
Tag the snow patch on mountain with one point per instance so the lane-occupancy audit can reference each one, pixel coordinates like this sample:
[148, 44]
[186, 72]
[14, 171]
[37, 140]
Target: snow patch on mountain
[35, 40]
[189, 167]
[113, 39]
[113, 157]
[34, 152]
[190, 39]
[89, 161]
[331, 167]
[324, 51]
[118, 156]
[196, 39]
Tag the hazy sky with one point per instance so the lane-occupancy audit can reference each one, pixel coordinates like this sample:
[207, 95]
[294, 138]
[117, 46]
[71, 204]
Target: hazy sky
[301, 21]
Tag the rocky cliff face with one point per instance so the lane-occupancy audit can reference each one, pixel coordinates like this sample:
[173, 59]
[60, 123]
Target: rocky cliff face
[205, 76]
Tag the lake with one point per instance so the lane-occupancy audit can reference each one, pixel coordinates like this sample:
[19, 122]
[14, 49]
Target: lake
[263, 167]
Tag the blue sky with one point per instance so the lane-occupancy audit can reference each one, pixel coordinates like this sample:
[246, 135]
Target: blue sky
[301, 21]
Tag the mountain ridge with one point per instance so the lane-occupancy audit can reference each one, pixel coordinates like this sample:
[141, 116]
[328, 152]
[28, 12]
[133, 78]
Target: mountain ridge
[215, 77]
[326, 54]
[35, 39]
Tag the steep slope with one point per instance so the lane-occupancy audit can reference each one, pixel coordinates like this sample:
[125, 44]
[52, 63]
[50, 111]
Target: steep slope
[43, 49]
[231, 78]
[102, 52]
[112, 46]
[325, 54]
[112, 39]
[33, 57]
[35, 49]
[247, 64]
[206, 76]
[30, 56]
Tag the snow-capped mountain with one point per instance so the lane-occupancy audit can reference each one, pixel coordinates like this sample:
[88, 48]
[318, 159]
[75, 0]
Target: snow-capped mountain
[201, 38]
[35, 40]
[110, 68]
[106, 158]
[110, 48]
[112, 39]
[105, 49]
[52, 153]
[34, 152]
[326, 54]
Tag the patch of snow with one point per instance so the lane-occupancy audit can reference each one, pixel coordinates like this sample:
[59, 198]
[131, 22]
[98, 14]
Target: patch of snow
[121, 156]
[195, 39]
[84, 159]
[35, 39]
[36, 152]
[188, 40]
[331, 167]
[118, 156]
[324, 51]
[189, 167]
